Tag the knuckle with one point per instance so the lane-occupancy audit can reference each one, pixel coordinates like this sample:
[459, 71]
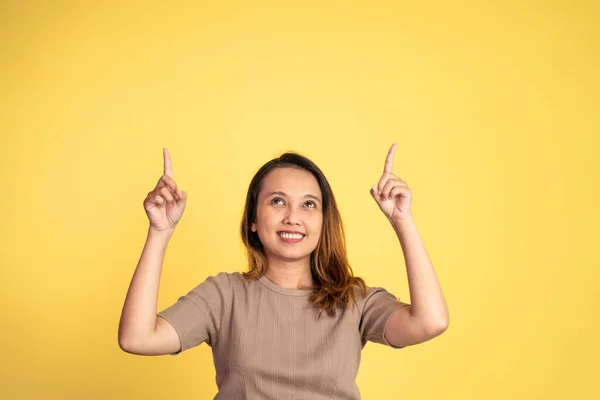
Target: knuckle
[166, 193]
[169, 181]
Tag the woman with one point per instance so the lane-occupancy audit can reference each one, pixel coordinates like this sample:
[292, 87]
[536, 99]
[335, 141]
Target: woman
[292, 326]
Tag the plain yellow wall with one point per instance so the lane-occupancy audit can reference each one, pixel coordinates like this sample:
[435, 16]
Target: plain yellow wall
[494, 106]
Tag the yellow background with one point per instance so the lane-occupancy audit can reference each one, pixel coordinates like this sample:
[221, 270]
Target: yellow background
[494, 106]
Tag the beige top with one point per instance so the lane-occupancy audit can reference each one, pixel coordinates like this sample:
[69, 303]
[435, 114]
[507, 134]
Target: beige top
[267, 342]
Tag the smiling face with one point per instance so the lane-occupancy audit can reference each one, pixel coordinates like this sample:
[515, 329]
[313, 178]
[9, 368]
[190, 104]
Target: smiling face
[289, 215]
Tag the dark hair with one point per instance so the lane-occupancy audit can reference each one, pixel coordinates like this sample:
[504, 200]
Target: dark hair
[335, 283]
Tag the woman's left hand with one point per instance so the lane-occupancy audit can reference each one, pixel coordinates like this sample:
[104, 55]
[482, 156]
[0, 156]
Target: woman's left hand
[392, 194]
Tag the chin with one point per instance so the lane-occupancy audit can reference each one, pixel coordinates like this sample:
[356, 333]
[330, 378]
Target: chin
[293, 257]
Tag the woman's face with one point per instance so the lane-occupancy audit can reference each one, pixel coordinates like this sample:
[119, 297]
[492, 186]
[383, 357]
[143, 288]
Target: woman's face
[289, 215]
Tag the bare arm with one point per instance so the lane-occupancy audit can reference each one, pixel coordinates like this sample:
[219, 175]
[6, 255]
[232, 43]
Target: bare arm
[427, 316]
[140, 331]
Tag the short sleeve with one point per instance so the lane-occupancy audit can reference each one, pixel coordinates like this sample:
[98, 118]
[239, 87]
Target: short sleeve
[379, 305]
[197, 316]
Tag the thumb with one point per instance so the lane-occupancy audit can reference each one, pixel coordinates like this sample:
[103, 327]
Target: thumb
[182, 198]
[374, 192]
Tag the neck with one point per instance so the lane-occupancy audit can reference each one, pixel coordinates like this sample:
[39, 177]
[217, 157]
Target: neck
[292, 275]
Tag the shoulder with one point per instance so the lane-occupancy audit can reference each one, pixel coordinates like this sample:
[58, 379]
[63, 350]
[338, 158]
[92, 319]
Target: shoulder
[220, 287]
[226, 277]
[219, 284]
[227, 280]
[374, 294]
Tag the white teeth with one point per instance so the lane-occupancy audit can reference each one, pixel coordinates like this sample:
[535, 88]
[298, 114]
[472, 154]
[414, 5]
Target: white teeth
[290, 235]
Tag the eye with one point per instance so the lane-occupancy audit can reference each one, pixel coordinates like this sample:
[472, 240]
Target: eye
[276, 199]
[312, 204]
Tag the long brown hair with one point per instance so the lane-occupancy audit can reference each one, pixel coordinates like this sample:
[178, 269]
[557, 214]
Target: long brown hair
[335, 286]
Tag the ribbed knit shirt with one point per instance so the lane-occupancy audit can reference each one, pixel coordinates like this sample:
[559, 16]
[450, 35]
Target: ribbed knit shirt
[267, 342]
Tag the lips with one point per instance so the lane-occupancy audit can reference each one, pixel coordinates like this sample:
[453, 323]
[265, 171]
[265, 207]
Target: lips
[289, 236]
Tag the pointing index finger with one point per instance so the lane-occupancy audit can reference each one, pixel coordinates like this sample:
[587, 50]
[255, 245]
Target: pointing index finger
[168, 170]
[389, 160]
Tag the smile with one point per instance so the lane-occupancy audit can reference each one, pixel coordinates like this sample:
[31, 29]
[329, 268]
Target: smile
[290, 237]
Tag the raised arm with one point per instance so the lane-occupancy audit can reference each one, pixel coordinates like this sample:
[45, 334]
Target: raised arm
[427, 316]
[140, 330]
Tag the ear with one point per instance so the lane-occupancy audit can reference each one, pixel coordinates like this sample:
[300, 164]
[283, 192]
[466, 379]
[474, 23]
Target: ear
[253, 227]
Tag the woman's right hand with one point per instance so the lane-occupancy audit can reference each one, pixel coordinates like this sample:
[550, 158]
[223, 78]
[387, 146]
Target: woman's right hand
[165, 204]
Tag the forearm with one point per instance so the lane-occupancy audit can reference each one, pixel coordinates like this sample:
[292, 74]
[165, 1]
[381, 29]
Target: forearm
[138, 317]
[427, 300]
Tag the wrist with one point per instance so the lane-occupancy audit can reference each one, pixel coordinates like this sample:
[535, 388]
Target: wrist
[405, 219]
[403, 226]
[161, 233]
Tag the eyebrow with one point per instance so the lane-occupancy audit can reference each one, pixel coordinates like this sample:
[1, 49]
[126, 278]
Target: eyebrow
[305, 196]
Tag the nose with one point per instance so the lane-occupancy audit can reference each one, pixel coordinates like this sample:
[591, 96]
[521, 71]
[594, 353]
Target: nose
[291, 219]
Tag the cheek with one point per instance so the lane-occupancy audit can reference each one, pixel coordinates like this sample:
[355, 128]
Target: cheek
[265, 225]
[317, 224]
